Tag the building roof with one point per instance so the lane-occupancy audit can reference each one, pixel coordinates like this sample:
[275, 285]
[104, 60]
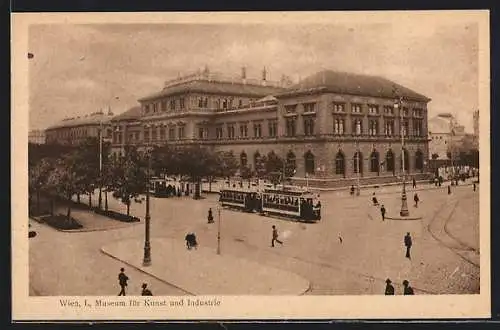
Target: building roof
[92, 119]
[130, 114]
[354, 84]
[216, 87]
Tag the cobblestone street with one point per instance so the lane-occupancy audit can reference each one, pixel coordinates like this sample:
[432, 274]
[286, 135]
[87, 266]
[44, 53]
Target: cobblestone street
[350, 251]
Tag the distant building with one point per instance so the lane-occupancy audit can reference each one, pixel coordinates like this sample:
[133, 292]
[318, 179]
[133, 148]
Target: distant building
[320, 126]
[72, 131]
[444, 131]
[36, 136]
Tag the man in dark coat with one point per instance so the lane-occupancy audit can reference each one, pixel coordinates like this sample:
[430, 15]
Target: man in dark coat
[122, 279]
[414, 183]
[210, 216]
[408, 244]
[275, 237]
[449, 190]
[408, 290]
[382, 211]
[145, 290]
[416, 199]
[474, 186]
[389, 289]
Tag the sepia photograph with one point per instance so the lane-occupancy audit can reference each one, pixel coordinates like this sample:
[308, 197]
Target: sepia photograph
[199, 159]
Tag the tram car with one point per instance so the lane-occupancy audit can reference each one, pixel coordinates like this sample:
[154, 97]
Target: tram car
[159, 187]
[287, 203]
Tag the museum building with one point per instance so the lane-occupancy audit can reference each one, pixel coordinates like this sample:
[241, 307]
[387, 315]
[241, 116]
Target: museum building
[322, 125]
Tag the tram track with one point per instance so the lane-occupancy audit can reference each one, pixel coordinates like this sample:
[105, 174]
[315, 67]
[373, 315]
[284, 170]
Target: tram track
[463, 247]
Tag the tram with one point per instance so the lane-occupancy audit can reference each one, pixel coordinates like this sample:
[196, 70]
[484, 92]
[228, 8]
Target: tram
[159, 187]
[287, 203]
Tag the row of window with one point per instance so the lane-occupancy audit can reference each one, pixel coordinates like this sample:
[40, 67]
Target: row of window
[202, 102]
[376, 163]
[373, 109]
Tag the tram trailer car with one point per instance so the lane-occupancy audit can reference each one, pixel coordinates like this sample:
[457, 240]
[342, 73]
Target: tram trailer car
[283, 203]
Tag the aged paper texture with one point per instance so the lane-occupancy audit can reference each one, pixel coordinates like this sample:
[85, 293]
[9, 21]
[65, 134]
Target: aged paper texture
[256, 165]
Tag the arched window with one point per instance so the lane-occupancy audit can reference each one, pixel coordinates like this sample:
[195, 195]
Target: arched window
[309, 162]
[406, 160]
[340, 163]
[256, 158]
[419, 160]
[358, 156]
[389, 161]
[374, 162]
[291, 162]
[243, 159]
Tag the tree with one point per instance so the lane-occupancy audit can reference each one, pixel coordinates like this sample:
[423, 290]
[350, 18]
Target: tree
[435, 156]
[64, 178]
[129, 177]
[260, 166]
[274, 167]
[38, 177]
[227, 164]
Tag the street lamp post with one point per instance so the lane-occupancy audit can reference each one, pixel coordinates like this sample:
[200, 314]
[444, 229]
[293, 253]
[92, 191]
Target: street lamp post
[147, 244]
[218, 230]
[404, 205]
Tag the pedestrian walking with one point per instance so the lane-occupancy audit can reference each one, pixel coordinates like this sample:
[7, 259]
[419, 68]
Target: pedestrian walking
[122, 279]
[374, 200]
[382, 212]
[408, 290]
[352, 190]
[275, 237]
[408, 243]
[474, 186]
[449, 190]
[389, 288]
[416, 199]
[145, 290]
[414, 183]
[210, 216]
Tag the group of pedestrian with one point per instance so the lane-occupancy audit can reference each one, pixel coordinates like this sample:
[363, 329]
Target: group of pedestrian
[389, 288]
[123, 281]
[191, 241]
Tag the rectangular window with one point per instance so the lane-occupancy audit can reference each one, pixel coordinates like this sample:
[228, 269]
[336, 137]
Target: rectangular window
[257, 130]
[291, 108]
[155, 107]
[181, 103]
[163, 105]
[146, 135]
[356, 108]
[373, 109]
[389, 127]
[291, 126]
[146, 109]
[230, 131]
[417, 127]
[273, 128]
[338, 126]
[405, 112]
[404, 127]
[172, 104]
[357, 127]
[243, 130]
[388, 110]
[219, 132]
[153, 133]
[309, 107]
[201, 132]
[309, 126]
[181, 132]
[373, 127]
[162, 133]
[171, 133]
[418, 112]
[338, 107]
[240, 103]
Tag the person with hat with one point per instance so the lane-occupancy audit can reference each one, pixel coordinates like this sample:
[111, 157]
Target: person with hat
[122, 279]
[408, 243]
[382, 212]
[408, 290]
[145, 290]
[389, 289]
[210, 216]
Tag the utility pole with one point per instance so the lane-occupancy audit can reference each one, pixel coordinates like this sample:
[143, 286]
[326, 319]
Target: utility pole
[147, 244]
[398, 104]
[358, 191]
[218, 230]
[100, 163]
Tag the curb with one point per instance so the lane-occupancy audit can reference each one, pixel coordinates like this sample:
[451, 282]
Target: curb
[145, 272]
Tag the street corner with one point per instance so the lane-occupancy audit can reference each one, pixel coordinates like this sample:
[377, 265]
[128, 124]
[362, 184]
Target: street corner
[202, 271]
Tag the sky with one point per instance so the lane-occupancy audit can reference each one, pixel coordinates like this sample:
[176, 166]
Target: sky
[80, 69]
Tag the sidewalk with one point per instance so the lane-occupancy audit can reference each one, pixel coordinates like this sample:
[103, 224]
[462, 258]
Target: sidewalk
[203, 272]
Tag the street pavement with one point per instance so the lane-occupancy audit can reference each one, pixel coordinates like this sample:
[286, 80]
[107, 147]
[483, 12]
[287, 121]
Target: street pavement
[350, 251]
[202, 272]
